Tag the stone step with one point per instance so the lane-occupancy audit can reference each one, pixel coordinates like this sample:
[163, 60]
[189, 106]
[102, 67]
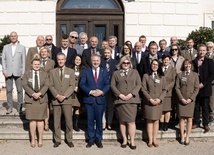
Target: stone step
[21, 133]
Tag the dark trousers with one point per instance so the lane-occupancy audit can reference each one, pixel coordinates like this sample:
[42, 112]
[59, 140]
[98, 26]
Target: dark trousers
[94, 114]
[202, 102]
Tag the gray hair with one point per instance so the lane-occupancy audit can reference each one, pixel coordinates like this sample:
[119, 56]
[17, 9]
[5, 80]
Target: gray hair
[83, 34]
[210, 43]
[73, 32]
[113, 37]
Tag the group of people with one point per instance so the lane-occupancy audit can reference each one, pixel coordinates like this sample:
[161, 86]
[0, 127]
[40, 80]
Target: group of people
[110, 79]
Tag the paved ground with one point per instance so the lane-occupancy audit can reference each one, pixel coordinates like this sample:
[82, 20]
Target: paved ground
[198, 146]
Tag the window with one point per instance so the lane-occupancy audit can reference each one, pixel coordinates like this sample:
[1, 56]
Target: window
[90, 4]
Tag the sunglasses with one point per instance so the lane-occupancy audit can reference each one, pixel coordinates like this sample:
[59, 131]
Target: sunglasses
[48, 39]
[174, 49]
[73, 37]
[126, 63]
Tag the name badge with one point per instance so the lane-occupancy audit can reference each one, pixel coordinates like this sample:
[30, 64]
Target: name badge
[157, 81]
[30, 80]
[184, 79]
[67, 76]
[77, 73]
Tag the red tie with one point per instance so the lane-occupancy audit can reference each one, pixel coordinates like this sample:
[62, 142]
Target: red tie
[95, 75]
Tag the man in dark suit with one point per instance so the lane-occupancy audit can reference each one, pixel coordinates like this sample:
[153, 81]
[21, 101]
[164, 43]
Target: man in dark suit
[87, 53]
[146, 60]
[205, 69]
[189, 53]
[62, 83]
[95, 84]
[112, 41]
[69, 52]
[49, 44]
[138, 54]
[162, 45]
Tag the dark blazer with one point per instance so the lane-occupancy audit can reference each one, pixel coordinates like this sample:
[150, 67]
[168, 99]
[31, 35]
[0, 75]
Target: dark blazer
[87, 84]
[161, 53]
[206, 76]
[117, 51]
[113, 65]
[145, 65]
[70, 56]
[86, 56]
[135, 60]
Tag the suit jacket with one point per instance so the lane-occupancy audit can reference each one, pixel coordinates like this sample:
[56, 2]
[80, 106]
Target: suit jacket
[113, 65]
[13, 65]
[153, 90]
[125, 84]
[186, 55]
[187, 87]
[117, 51]
[30, 54]
[145, 65]
[29, 90]
[86, 56]
[69, 59]
[161, 53]
[49, 65]
[87, 83]
[206, 75]
[64, 87]
[178, 64]
[135, 60]
[170, 80]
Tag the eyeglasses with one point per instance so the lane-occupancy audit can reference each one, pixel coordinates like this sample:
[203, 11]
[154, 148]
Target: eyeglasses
[174, 49]
[48, 39]
[126, 63]
[73, 37]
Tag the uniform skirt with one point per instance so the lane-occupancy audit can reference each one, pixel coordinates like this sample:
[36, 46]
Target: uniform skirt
[126, 112]
[36, 111]
[167, 104]
[186, 110]
[152, 112]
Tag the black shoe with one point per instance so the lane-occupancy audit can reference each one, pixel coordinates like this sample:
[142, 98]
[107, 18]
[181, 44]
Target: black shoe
[56, 144]
[165, 127]
[89, 144]
[70, 144]
[186, 143]
[123, 145]
[133, 147]
[206, 129]
[99, 144]
[161, 126]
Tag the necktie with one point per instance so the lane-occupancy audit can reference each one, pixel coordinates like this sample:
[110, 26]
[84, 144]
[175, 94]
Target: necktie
[36, 84]
[43, 62]
[93, 50]
[61, 74]
[187, 73]
[95, 76]
[165, 69]
[138, 58]
[190, 52]
[155, 76]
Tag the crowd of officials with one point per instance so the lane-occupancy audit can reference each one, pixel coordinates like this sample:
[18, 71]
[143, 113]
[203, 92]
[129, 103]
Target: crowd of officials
[165, 81]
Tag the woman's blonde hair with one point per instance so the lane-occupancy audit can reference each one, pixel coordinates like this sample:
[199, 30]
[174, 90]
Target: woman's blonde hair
[42, 48]
[119, 66]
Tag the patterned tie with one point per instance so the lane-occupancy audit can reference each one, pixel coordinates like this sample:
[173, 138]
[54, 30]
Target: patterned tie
[95, 75]
[36, 84]
[43, 62]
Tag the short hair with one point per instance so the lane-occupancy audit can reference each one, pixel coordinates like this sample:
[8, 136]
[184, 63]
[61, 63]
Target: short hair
[42, 48]
[166, 56]
[113, 37]
[60, 53]
[95, 55]
[65, 36]
[152, 43]
[189, 38]
[201, 45]
[142, 36]
[189, 61]
[179, 51]
[83, 34]
[119, 66]
[210, 43]
[73, 32]
[162, 41]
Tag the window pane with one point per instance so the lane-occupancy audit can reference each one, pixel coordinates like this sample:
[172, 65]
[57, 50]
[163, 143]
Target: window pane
[79, 28]
[100, 33]
[63, 29]
[90, 4]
